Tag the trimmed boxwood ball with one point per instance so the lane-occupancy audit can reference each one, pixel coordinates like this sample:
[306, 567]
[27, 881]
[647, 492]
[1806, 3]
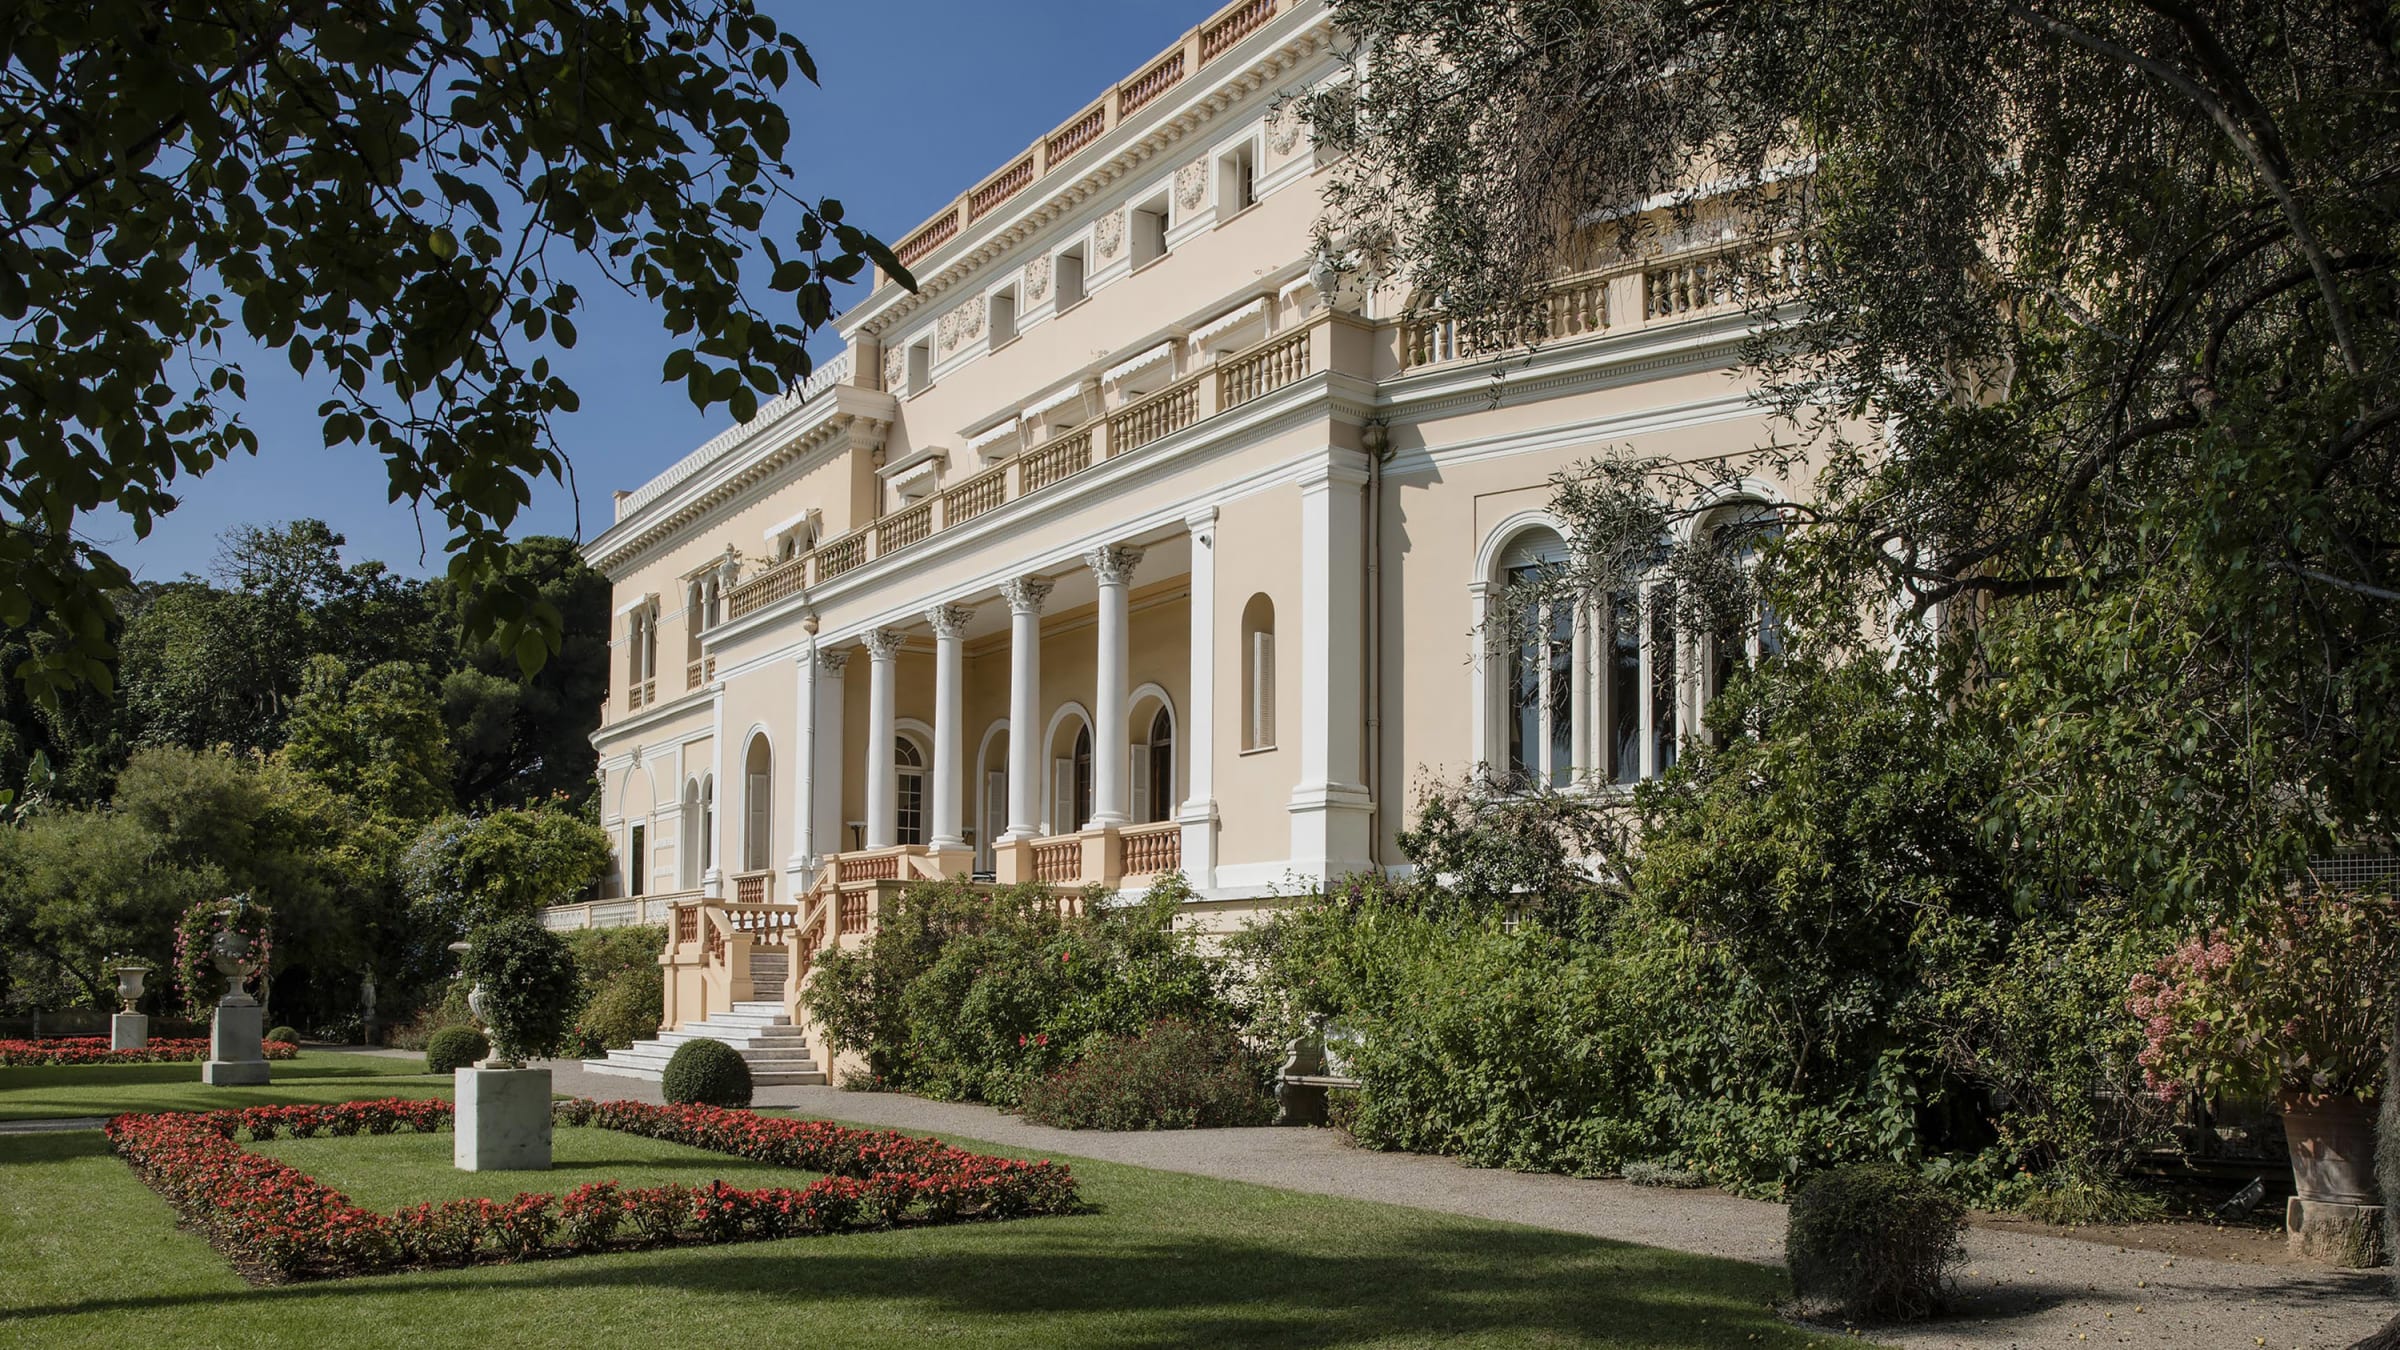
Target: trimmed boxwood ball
[1874, 1242]
[285, 1035]
[706, 1073]
[455, 1048]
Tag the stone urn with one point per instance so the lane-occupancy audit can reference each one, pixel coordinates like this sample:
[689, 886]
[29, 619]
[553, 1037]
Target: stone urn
[129, 984]
[231, 953]
[2332, 1145]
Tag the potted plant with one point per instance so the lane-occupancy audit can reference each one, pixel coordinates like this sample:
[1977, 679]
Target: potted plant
[2293, 1003]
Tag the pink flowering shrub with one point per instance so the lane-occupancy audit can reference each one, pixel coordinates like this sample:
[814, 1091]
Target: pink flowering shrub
[2297, 999]
[273, 1221]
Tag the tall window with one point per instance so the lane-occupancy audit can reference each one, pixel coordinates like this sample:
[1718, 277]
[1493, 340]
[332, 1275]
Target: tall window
[758, 819]
[1149, 230]
[1624, 687]
[1258, 673]
[1083, 774]
[1741, 531]
[1157, 769]
[687, 855]
[1067, 278]
[1071, 783]
[1538, 668]
[708, 823]
[909, 820]
[637, 861]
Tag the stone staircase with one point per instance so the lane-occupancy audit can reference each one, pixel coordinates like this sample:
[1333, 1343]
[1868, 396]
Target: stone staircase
[776, 1051]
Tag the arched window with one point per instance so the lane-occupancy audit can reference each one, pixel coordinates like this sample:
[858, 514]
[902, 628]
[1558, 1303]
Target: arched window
[1740, 531]
[758, 806]
[1082, 779]
[1258, 673]
[1539, 666]
[909, 820]
[708, 823]
[1162, 765]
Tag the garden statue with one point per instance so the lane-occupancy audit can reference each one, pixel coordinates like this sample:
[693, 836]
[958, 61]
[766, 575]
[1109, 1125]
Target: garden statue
[128, 1029]
[524, 985]
[366, 1008]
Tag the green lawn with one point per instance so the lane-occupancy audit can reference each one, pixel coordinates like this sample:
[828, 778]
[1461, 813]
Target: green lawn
[387, 1171]
[107, 1089]
[1166, 1260]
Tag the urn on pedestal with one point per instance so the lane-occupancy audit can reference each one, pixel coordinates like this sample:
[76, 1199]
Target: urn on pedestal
[128, 1029]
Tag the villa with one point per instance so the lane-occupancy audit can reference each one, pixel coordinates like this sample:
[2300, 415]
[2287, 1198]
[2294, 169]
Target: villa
[1138, 539]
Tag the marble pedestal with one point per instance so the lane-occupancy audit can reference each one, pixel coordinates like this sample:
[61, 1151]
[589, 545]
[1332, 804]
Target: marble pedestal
[237, 1055]
[503, 1121]
[128, 1031]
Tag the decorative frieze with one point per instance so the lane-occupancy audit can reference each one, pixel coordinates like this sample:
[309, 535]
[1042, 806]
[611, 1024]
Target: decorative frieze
[893, 366]
[1037, 277]
[1108, 235]
[1191, 184]
[1284, 126]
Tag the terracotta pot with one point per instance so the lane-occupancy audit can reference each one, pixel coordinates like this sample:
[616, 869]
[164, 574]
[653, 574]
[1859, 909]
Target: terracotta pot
[2332, 1143]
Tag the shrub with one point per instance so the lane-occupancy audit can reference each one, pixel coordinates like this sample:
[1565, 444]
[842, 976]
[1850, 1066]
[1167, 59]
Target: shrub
[284, 1034]
[1873, 1242]
[974, 995]
[627, 1007]
[455, 1048]
[528, 978]
[1174, 1076]
[706, 1073]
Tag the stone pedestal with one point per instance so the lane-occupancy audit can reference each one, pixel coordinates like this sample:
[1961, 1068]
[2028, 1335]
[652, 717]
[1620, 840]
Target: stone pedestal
[237, 1054]
[129, 1031]
[2337, 1234]
[503, 1121]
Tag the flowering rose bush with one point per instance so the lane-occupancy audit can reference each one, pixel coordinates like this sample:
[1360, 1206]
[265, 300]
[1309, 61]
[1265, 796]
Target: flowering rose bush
[196, 973]
[273, 1221]
[2295, 1000]
[94, 1050]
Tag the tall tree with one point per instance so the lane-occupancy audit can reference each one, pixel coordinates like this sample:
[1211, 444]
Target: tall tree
[523, 738]
[376, 738]
[2114, 286]
[381, 189]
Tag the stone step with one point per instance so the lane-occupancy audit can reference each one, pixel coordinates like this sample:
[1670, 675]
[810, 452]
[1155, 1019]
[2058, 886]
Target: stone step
[657, 1058]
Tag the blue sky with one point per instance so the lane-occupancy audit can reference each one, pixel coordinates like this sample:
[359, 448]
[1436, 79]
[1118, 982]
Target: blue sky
[918, 102]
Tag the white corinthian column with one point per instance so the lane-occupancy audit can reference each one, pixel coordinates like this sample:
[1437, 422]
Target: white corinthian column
[883, 785]
[949, 716]
[1113, 567]
[1025, 596]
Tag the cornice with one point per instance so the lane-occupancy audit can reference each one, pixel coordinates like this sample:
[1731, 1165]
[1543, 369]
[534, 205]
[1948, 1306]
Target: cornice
[1141, 143]
[838, 418]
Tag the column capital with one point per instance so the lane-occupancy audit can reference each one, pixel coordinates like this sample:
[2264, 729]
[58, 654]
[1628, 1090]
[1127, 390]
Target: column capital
[1025, 595]
[883, 644]
[834, 659]
[1114, 563]
[949, 621]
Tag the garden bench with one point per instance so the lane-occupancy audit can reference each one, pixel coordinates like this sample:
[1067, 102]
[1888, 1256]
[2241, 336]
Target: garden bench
[1308, 1074]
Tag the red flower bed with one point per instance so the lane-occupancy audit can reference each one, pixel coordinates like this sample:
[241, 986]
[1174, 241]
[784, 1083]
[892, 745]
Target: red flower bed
[273, 1221]
[94, 1050]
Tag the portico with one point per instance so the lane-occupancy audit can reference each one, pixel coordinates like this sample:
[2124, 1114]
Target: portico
[1018, 731]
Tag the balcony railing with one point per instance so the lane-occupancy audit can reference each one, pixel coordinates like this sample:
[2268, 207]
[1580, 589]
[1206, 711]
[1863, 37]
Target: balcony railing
[754, 888]
[1058, 861]
[1217, 36]
[1281, 360]
[1152, 849]
[1650, 291]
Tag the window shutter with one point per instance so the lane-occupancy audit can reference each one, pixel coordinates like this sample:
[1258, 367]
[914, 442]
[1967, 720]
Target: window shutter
[1062, 797]
[1137, 772]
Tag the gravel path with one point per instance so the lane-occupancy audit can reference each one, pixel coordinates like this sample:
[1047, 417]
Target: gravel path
[2022, 1289]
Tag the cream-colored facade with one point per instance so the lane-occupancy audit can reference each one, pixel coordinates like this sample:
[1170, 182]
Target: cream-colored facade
[1129, 543]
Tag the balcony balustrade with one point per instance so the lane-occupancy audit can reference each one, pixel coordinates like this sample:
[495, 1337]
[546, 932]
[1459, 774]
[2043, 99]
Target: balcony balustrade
[1281, 360]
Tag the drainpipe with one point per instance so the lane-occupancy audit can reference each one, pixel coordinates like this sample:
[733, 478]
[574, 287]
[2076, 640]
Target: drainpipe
[1376, 439]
